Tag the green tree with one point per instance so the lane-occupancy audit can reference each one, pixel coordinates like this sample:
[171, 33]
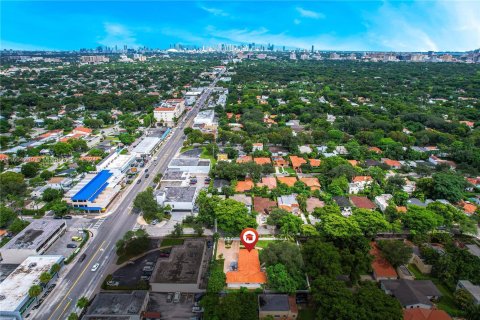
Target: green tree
[34, 291]
[396, 252]
[7, 215]
[288, 224]
[61, 149]
[321, 259]
[216, 280]
[83, 302]
[18, 225]
[287, 254]
[448, 186]
[338, 226]
[370, 221]
[232, 217]
[280, 280]
[59, 207]
[145, 201]
[30, 169]
[373, 303]
[463, 299]
[72, 316]
[177, 230]
[420, 220]
[12, 183]
[55, 268]
[51, 194]
[45, 277]
[126, 138]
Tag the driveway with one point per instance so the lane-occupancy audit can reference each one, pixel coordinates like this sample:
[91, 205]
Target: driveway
[229, 254]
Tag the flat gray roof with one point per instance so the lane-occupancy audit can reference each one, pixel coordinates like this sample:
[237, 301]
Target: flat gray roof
[35, 234]
[273, 302]
[116, 304]
[174, 175]
[180, 194]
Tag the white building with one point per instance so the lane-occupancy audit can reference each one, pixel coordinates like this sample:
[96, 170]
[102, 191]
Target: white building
[169, 111]
[192, 166]
[35, 239]
[147, 146]
[94, 59]
[178, 198]
[14, 298]
[116, 161]
[204, 117]
[382, 201]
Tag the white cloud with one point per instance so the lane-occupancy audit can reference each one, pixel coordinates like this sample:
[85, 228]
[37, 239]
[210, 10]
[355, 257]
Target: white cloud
[216, 11]
[118, 34]
[310, 14]
[297, 21]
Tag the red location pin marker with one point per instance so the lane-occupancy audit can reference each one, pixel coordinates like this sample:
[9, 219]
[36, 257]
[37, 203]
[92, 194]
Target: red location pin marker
[249, 238]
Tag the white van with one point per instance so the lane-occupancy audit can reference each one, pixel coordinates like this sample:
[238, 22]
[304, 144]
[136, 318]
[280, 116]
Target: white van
[176, 297]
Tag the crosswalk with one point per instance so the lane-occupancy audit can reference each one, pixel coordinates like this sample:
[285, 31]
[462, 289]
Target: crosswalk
[97, 224]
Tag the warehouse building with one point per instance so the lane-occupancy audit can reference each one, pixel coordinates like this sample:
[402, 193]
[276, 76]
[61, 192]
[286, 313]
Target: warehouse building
[35, 239]
[14, 298]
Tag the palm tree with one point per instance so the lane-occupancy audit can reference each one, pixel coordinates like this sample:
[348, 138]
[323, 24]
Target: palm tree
[55, 268]
[34, 291]
[72, 316]
[45, 277]
[82, 302]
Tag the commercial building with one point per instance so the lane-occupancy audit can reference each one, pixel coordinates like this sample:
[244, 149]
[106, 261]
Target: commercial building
[116, 161]
[204, 117]
[14, 298]
[178, 198]
[94, 59]
[117, 305]
[168, 111]
[146, 147]
[192, 166]
[278, 306]
[35, 239]
[95, 192]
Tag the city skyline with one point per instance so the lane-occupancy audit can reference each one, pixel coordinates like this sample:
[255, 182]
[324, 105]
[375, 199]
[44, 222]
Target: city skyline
[342, 26]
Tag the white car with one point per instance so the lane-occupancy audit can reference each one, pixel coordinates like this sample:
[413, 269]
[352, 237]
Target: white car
[95, 266]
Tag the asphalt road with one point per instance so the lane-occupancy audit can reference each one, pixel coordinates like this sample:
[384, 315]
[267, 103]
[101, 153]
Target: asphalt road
[79, 280]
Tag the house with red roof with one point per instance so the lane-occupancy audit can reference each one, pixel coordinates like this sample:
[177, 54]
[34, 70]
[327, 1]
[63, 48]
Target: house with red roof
[297, 162]
[359, 183]
[382, 269]
[315, 162]
[269, 182]
[311, 182]
[394, 164]
[248, 274]
[425, 314]
[375, 149]
[289, 181]
[243, 186]
[262, 160]
[362, 202]
[244, 159]
[3, 157]
[82, 131]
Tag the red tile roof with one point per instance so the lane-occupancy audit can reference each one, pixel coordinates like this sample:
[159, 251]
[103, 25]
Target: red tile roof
[269, 182]
[311, 182]
[248, 269]
[315, 162]
[381, 267]
[243, 186]
[297, 161]
[289, 181]
[375, 149]
[262, 160]
[261, 204]
[3, 157]
[83, 130]
[362, 179]
[244, 159]
[362, 202]
[392, 163]
[425, 314]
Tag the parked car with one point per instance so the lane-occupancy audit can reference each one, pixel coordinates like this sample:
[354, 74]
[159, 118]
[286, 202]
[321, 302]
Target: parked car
[154, 222]
[176, 297]
[197, 309]
[57, 217]
[209, 244]
[77, 238]
[113, 283]
[71, 245]
[82, 257]
[95, 266]
[67, 217]
[139, 180]
[164, 255]
[169, 297]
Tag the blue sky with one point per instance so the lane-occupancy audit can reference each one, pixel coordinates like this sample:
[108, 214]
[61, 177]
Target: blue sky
[329, 25]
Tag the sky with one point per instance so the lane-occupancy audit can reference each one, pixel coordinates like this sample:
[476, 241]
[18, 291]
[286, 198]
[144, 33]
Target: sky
[398, 25]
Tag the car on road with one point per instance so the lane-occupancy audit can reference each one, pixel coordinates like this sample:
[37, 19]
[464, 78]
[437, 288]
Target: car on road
[169, 297]
[147, 175]
[57, 217]
[67, 217]
[146, 170]
[176, 297]
[71, 245]
[139, 180]
[209, 244]
[197, 309]
[95, 266]
[77, 238]
[82, 257]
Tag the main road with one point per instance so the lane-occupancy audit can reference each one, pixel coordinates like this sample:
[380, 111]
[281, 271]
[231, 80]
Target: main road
[79, 280]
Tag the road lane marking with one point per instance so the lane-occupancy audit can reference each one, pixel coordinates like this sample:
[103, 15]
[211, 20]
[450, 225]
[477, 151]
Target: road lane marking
[75, 283]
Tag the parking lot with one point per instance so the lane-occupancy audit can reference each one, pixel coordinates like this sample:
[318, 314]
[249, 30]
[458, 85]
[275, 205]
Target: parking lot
[131, 274]
[60, 246]
[169, 310]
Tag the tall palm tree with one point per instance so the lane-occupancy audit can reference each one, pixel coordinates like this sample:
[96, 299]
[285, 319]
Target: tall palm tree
[45, 277]
[34, 291]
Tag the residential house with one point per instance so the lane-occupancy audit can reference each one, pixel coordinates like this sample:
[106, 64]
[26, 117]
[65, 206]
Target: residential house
[262, 161]
[425, 314]
[280, 162]
[359, 183]
[269, 182]
[353, 163]
[278, 151]
[416, 202]
[297, 162]
[289, 181]
[468, 207]
[375, 149]
[246, 200]
[341, 150]
[344, 204]
[243, 186]
[315, 162]
[473, 249]
[394, 164]
[382, 201]
[248, 273]
[412, 293]
[59, 183]
[311, 182]
[305, 149]
[244, 159]
[257, 147]
[263, 205]
[288, 203]
[313, 203]
[82, 131]
[471, 288]
[382, 269]
[277, 306]
[409, 186]
[371, 163]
